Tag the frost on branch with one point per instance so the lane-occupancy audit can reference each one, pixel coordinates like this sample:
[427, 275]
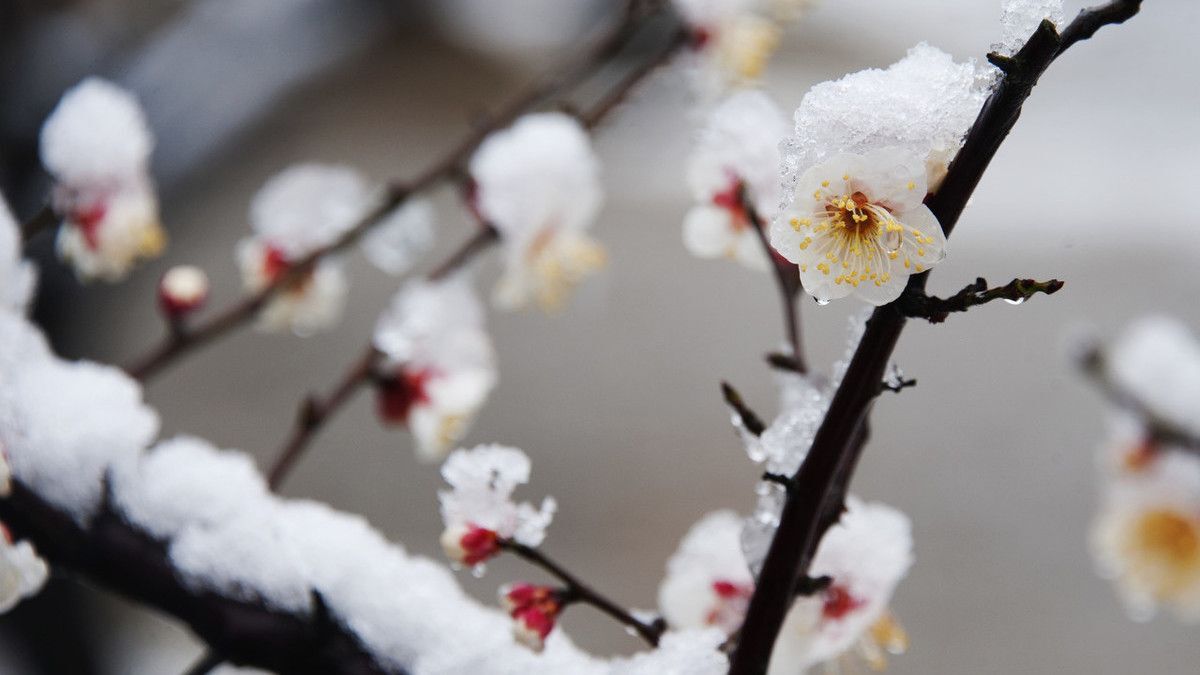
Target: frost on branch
[302, 209]
[538, 183]
[97, 146]
[866, 555]
[479, 509]
[1019, 18]
[737, 150]
[18, 277]
[438, 361]
[858, 226]
[924, 104]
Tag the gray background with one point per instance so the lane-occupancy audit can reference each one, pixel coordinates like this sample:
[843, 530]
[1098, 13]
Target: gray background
[616, 398]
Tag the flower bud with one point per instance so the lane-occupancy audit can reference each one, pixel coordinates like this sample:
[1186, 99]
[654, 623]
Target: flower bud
[182, 290]
[469, 544]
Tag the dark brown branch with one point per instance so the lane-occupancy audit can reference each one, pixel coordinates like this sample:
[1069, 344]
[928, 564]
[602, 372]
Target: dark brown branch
[577, 590]
[315, 412]
[787, 280]
[751, 421]
[826, 472]
[113, 553]
[44, 219]
[935, 310]
[450, 167]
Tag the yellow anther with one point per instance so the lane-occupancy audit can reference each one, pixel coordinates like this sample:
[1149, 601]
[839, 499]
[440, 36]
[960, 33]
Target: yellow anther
[921, 253]
[804, 244]
[912, 185]
[824, 183]
[892, 255]
[907, 263]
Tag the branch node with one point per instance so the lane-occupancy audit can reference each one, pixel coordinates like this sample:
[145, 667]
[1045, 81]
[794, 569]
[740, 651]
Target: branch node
[750, 420]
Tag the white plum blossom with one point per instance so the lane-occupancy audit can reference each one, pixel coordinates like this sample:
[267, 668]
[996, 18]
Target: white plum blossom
[733, 40]
[1147, 536]
[858, 226]
[22, 572]
[478, 510]
[301, 210]
[18, 277]
[439, 363]
[398, 242]
[538, 184]
[737, 154]
[1156, 361]
[925, 104]
[96, 144]
[866, 555]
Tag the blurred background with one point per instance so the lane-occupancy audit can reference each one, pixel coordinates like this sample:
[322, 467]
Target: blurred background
[616, 398]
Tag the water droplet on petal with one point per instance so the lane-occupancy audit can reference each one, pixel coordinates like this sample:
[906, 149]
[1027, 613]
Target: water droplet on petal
[823, 302]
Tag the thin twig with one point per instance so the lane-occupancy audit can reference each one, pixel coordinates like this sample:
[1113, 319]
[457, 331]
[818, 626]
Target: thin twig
[827, 469]
[935, 310]
[750, 420]
[787, 280]
[578, 590]
[43, 220]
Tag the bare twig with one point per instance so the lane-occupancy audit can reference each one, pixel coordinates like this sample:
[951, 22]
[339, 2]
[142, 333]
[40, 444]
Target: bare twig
[787, 280]
[44, 219]
[935, 310]
[826, 472]
[577, 590]
[751, 421]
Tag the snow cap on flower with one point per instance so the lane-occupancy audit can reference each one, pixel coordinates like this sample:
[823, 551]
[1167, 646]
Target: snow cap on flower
[405, 235]
[924, 104]
[858, 226]
[482, 481]
[708, 582]
[97, 146]
[534, 610]
[1156, 361]
[22, 572]
[538, 183]
[738, 150]
[1147, 536]
[182, 290]
[18, 277]
[439, 362]
[1019, 18]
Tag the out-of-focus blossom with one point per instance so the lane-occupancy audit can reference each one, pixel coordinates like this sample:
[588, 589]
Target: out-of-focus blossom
[736, 158]
[439, 363]
[182, 290]
[733, 40]
[858, 226]
[18, 277]
[303, 209]
[97, 146]
[534, 610]
[538, 183]
[866, 555]
[398, 242]
[22, 572]
[479, 510]
[1156, 362]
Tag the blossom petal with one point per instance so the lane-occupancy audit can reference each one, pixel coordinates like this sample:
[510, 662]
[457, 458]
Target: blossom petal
[707, 232]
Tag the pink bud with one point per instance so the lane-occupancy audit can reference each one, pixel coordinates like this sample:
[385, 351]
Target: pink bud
[182, 290]
[532, 624]
[470, 544]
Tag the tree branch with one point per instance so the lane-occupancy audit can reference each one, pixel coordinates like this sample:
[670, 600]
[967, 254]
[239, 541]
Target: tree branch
[787, 280]
[935, 310]
[44, 219]
[118, 556]
[825, 474]
[579, 591]
[452, 166]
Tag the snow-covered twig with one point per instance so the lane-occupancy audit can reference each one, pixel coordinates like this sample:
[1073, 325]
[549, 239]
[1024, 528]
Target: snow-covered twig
[827, 469]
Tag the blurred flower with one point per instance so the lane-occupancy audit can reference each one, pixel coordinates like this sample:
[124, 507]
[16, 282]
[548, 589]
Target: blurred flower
[538, 183]
[858, 225]
[301, 210]
[865, 555]
[438, 360]
[22, 572]
[18, 277]
[478, 509]
[738, 150]
[97, 146]
[182, 290]
[534, 610]
[398, 242]
[1156, 362]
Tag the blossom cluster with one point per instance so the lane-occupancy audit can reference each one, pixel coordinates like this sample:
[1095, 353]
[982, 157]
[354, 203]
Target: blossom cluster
[1147, 534]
